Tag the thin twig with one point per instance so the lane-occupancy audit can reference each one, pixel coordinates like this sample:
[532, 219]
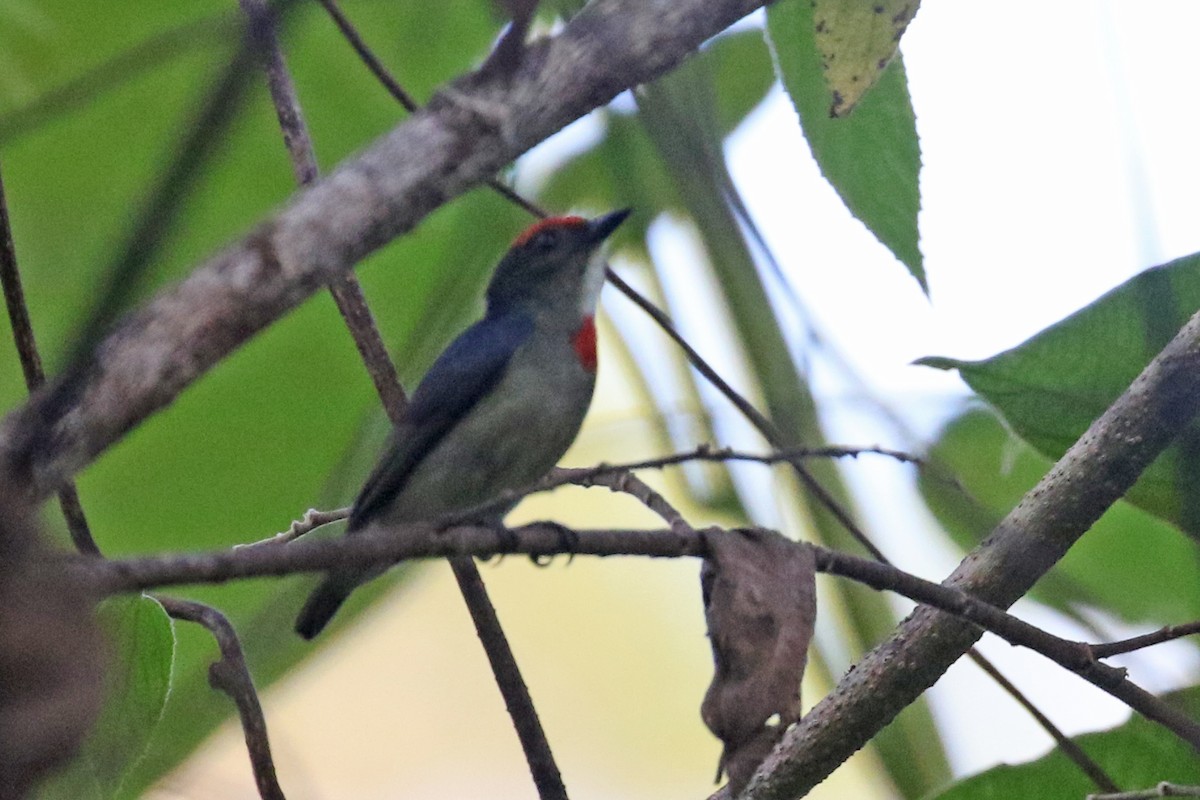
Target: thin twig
[626, 482]
[707, 452]
[311, 520]
[14, 299]
[1163, 789]
[353, 306]
[346, 291]
[601, 473]
[230, 675]
[764, 425]
[368, 57]
[545, 772]
[143, 57]
[1094, 473]
[373, 547]
[1167, 634]
[31, 366]
[617, 477]
[1065, 743]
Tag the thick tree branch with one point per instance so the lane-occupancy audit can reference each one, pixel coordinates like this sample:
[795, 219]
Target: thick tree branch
[1090, 477]
[470, 130]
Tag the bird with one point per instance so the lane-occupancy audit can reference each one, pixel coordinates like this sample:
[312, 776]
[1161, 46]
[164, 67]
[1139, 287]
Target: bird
[499, 406]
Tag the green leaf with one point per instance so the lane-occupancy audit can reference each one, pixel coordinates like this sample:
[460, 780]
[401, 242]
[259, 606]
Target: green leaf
[1051, 387]
[1136, 755]
[266, 434]
[1130, 564]
[857, 41]
[872, 157]
[141, 641]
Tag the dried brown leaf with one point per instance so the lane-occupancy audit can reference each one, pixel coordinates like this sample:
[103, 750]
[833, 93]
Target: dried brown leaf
[760, 604]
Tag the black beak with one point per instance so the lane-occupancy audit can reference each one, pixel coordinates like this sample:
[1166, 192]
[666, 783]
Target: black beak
[600, 228]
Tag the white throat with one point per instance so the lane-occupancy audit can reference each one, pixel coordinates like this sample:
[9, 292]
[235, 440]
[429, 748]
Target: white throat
[593, 282]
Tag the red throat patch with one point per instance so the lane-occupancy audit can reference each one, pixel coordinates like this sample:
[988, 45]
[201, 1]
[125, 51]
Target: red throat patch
[584, 342]
[549, 222]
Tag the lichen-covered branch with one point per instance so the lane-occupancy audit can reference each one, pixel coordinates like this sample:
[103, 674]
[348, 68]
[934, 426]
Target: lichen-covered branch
[470, 130]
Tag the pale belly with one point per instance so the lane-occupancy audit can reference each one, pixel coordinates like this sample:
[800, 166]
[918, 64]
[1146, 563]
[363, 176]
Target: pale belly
[506, 443]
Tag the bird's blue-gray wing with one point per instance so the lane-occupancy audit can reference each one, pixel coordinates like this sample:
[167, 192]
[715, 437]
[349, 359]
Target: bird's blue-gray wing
[464, 373]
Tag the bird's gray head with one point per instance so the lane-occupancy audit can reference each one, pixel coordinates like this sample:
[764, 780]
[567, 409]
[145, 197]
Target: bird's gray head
[555, 264]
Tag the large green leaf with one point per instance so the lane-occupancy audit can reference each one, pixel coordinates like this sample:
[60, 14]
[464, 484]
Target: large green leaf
[1051, 387]
[290, 420]
[872, 156]
[857, 42]
[1130, 564]
[141, 642]
[1136, 755]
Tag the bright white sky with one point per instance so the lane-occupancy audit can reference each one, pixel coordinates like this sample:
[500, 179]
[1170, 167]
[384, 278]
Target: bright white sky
[1060, 157]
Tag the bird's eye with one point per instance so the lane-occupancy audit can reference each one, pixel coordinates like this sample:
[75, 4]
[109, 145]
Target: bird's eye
[547, 239]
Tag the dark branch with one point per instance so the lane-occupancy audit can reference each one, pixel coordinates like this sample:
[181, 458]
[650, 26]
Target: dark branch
[231, 676]
[368, 57]
[546, 776]
[1167, 634]
[1090, 477]
[1086, 764]
[31, 365]
[1163, 789]
[376, 546]
[353, 306]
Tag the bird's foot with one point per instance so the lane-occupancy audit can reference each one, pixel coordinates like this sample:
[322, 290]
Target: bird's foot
[568, 542]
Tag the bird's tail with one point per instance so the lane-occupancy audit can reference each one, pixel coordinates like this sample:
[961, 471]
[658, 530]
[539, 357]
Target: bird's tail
[324, 602]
